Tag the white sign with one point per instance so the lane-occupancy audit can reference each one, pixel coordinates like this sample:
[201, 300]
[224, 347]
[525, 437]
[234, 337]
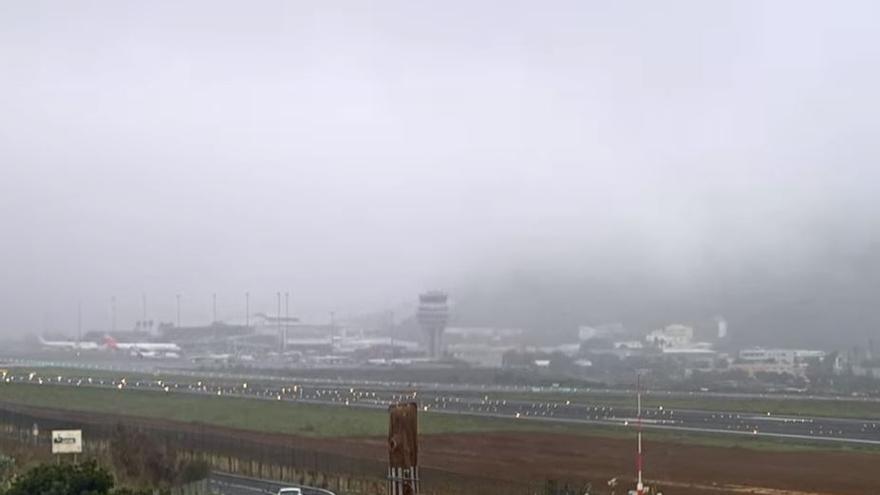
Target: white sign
[66, 441]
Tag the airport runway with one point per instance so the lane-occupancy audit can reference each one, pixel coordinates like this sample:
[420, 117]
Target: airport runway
[486, 403]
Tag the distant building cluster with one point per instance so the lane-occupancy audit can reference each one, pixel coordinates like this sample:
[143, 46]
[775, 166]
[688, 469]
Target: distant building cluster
[429, 335]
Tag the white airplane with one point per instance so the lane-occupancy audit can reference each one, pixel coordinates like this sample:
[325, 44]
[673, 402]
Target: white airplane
[141, 347]
[69, 345]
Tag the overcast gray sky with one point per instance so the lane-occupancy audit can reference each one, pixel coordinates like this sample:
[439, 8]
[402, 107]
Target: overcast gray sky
[357, 152]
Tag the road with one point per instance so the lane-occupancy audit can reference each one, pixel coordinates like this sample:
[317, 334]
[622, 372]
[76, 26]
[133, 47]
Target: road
[229, 484]
[480, 402]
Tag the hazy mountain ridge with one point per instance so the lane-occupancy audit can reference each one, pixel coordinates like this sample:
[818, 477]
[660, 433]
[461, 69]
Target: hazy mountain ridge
[830, 302]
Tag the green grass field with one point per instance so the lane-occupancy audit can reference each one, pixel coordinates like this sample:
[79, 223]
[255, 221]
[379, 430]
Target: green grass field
[337, 421]
[250, 414]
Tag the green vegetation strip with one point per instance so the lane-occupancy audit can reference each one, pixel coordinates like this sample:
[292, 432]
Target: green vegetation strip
[340, 421]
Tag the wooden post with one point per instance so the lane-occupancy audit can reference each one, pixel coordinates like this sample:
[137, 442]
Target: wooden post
[403, 449]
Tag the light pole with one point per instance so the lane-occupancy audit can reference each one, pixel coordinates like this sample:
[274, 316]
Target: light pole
[112, 314]
[247, 309]
[280, 333]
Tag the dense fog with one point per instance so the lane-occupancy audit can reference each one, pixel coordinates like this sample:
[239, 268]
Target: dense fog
[581, 163]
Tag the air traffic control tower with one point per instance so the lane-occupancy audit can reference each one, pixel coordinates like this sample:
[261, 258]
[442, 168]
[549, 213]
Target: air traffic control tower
[432, 315]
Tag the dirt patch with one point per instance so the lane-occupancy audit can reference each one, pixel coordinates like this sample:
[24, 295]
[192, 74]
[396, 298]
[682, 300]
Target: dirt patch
[690, 469]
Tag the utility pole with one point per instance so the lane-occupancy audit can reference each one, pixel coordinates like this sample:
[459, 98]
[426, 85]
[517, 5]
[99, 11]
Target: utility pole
[178, 310]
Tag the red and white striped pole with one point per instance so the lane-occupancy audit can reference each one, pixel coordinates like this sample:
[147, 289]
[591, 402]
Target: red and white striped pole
[639, 486]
